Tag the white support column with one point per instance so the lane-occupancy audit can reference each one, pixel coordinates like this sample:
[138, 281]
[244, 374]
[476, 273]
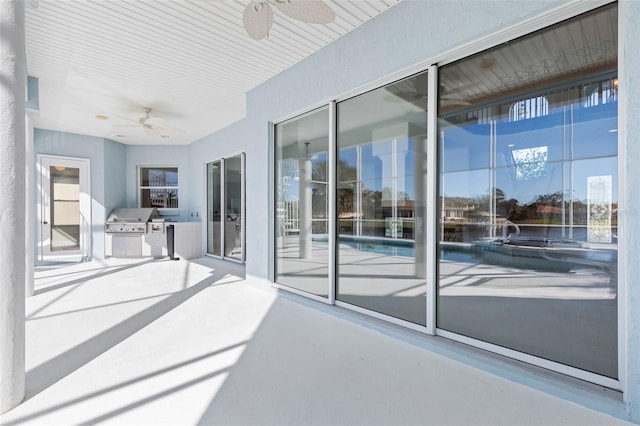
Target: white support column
[12, 203]
[420, 171]
[30, 208]
[629, 213]
[305, 205]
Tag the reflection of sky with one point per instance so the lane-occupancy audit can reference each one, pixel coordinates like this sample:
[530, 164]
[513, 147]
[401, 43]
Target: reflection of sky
[528, 157]
[292, 190]
[465, 160]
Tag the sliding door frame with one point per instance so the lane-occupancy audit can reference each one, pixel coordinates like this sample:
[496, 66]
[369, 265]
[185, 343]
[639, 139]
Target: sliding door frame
[223, 206]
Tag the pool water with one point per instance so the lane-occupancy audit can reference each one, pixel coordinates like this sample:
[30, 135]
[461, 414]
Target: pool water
[401, 248]
[386, 249]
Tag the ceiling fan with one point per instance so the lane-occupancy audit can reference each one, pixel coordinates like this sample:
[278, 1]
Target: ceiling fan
[153, 126]
[414, 90]
[258, 15]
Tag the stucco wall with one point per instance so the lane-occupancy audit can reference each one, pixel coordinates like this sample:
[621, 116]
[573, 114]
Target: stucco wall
[115, 163]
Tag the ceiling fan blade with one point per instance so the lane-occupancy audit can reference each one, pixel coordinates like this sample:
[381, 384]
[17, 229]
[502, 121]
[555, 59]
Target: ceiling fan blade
[122, 117]
[155, 122]
[126, 125]
[309, 11]
[165, 132]
[151, 131]
[257, 19]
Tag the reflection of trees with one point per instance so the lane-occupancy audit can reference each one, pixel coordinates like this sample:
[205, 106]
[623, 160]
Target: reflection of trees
[346, 191]
[546, 209]
[345, 172]
[372, 203]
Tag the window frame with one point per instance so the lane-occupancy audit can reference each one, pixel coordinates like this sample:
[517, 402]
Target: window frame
[140, 188]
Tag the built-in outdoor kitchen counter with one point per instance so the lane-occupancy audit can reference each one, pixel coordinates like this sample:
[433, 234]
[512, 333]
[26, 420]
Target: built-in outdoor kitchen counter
[187, 236]
[146, 233]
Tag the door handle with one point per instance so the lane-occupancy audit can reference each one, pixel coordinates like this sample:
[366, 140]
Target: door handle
[45, 223]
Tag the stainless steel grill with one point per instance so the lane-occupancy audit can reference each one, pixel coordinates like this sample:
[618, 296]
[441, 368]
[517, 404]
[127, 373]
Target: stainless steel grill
[129, 221]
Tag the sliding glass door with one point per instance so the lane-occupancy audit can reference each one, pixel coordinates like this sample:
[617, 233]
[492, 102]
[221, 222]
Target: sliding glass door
[214, 208]
[521, 199]
[225, 208]
[234, 208]
[528, 200]
[302, 255]
[381, 180]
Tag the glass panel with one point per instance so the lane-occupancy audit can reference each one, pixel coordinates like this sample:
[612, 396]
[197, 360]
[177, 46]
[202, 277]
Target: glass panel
[381, 200]
[233, 182]
[302, 146]
[159, 197]
[65, 209]
[158, 176]
[159, 187]
[528, 193]
[214, 209]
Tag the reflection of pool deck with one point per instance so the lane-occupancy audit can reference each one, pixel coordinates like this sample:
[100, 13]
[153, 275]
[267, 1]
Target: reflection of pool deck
[383, 283]
[464, 276]
[569, 317]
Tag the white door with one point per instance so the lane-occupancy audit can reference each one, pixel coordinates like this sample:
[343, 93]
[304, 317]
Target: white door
[64, 209]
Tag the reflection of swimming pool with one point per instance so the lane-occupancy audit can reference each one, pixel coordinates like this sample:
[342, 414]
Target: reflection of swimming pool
[385, 247]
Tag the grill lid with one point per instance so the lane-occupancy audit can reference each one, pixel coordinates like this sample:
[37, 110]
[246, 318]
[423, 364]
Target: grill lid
[136, 215]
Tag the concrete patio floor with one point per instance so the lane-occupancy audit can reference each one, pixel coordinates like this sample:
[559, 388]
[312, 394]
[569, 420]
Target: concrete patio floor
[143, 341]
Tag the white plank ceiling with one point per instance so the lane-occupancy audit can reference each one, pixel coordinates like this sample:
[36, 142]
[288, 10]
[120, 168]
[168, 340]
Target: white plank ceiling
[189, 61]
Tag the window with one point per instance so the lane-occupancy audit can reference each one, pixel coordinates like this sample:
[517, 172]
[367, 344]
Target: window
[159, 187]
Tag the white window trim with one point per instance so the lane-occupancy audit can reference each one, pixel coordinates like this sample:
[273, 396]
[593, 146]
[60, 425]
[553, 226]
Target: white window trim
[139, 187]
